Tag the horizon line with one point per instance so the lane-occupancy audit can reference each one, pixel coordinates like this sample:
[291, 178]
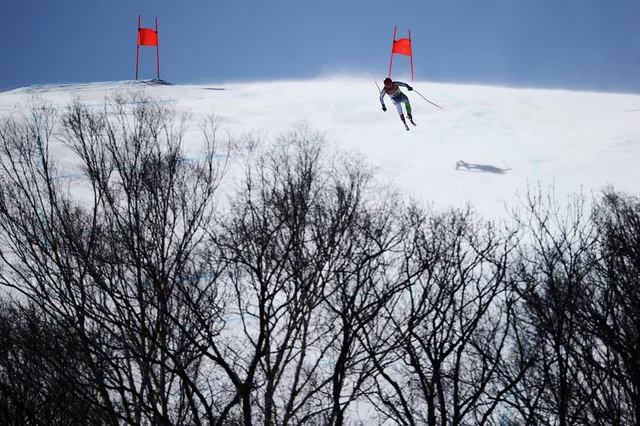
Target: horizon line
[321, 78]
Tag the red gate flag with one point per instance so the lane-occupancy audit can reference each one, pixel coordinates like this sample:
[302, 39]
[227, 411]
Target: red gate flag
[147, 37]
[401, 47]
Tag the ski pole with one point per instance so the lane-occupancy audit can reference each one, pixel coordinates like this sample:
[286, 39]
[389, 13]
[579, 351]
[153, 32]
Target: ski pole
[377, 86]
[426, 99]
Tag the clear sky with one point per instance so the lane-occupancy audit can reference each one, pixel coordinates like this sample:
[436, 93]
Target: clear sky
[577, 44]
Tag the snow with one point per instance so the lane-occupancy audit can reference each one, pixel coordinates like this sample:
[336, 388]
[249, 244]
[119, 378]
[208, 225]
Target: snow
[507, 137]
[577, 141]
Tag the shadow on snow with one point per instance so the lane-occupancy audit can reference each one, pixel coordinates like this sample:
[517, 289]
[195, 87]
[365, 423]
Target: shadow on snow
[486, 168]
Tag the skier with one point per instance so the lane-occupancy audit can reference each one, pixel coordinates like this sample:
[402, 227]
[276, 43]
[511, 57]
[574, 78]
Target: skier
[392, 88]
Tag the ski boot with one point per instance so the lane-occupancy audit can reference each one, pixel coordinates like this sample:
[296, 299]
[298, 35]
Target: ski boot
[404, 122]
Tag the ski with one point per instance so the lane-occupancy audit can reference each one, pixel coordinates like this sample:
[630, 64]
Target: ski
[406, 126]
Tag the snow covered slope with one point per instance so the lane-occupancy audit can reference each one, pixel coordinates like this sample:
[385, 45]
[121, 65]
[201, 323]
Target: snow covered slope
[507, 137]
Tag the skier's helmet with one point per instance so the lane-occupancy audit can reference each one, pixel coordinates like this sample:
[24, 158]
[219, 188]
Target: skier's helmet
[388, 82]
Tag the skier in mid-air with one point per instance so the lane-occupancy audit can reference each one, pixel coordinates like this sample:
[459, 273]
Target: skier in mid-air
[392, 88]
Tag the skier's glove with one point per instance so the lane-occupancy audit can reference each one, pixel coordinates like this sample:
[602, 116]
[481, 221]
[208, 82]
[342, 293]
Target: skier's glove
[409, 88]
[384, 108]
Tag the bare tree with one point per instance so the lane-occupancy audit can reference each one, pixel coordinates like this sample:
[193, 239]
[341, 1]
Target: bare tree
[106, 264]
[550, 273]
[611, 313]
[305, 246]
[448, 334]
[38, 371]
[366, 283]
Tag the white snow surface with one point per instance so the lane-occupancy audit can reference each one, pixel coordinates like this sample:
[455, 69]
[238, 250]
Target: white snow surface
[577, 141]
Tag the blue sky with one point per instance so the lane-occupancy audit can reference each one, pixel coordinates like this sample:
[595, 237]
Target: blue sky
[577, 44]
